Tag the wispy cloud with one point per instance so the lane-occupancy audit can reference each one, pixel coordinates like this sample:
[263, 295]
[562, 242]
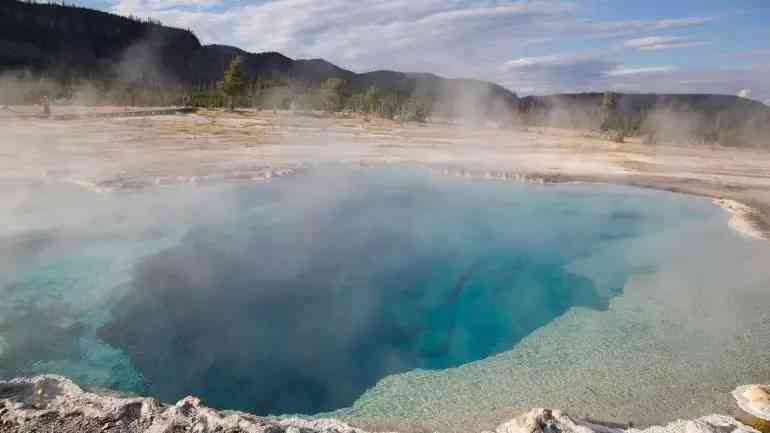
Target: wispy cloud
[552, 60]
[654, 43]
[624, 71]
[631, 26]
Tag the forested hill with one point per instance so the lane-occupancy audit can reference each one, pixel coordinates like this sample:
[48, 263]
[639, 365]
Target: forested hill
[67, 43]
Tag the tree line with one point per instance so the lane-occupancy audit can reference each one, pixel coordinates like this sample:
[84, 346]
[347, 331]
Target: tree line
[235, 90]
[698, 119]
[330, 95]
[610, 113]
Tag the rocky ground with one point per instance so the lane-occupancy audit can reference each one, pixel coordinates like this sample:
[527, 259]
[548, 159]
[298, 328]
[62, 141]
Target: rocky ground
[55, 404]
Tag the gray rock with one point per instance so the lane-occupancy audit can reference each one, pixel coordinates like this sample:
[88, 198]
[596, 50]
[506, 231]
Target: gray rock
[54, 403]
[706, 424]
[551, 421]
[754, 400]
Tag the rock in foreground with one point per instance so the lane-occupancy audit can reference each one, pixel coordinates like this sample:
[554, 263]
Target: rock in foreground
[754, 404]
[55, 404]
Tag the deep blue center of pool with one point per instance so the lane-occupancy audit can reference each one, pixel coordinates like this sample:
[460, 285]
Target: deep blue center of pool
[298, 295]
[301, 306]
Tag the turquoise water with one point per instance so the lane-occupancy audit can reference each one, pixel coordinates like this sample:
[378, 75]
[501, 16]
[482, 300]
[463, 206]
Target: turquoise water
[298, 296]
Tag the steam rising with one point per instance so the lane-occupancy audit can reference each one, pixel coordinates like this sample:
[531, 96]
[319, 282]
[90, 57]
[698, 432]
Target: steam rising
[297, 306]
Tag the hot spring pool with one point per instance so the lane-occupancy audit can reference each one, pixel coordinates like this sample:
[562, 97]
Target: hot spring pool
[386, 296]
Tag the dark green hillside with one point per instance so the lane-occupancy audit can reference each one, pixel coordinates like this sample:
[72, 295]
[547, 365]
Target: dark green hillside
[71, 41]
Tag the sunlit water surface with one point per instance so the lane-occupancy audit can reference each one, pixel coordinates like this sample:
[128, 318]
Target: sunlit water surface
[298, 296]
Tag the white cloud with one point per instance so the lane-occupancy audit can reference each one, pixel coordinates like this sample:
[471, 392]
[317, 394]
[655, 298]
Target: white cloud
[682, 22]
[553, 60]
[744, 93]
[623, 71]
[631, 26]
[652, 43]
[518, 8]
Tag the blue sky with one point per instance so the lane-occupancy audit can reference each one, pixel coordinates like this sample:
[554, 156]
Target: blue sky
[530, 46]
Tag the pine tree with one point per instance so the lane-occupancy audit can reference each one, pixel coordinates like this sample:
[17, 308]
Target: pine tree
[234, 82]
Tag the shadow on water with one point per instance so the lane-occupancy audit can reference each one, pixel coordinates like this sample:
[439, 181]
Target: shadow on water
[295, 307]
